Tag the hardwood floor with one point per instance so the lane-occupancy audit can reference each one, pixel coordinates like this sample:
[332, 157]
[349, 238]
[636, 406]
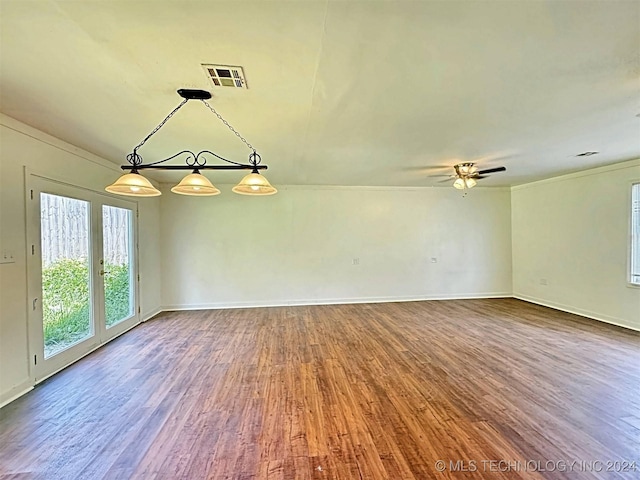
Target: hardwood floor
[376, 391]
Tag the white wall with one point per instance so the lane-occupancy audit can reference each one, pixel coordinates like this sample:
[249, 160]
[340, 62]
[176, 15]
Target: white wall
[298, 246]
[24, 146]
[573, 232]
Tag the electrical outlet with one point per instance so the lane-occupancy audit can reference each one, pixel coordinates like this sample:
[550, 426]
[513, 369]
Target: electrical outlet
[434, 260]
[356, 261]
[7, 257]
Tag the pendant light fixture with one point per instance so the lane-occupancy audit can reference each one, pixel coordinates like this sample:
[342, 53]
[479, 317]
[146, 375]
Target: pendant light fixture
[133, 184]
[196, 184]
[254, 184]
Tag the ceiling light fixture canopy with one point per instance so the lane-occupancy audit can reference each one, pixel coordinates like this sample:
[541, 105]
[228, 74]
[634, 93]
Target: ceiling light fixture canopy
[196, 184]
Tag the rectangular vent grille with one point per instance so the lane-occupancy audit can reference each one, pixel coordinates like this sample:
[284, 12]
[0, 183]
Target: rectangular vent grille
[225, 76]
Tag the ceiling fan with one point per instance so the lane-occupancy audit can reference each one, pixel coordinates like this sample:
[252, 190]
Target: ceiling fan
[467, 174]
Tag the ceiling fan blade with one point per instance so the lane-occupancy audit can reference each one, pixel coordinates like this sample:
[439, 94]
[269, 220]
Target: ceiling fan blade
[445, 180]
[434, 176]
[492, 170]
[425, 168]
[478, 177]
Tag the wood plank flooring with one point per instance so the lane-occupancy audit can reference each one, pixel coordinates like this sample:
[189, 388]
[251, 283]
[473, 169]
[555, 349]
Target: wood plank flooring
[375, 391]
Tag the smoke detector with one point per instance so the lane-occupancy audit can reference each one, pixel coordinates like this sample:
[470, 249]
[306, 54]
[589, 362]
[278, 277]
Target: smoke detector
[227, 76]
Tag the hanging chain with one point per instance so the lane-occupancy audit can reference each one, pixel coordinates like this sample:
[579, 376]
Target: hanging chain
[135, 159]
[161, 124]
[213, 110]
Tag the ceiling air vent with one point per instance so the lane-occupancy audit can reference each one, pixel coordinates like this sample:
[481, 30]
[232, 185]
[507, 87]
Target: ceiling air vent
[225, 76]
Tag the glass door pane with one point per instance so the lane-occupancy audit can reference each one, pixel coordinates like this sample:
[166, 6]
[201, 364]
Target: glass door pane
[81, 272]
[66, 272]
[118, 264]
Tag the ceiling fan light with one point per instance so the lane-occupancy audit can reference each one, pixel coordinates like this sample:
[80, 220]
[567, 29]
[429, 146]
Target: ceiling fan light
[195, 184]
[254, 184]
[134, 185]
[459, 184]
[470, 182]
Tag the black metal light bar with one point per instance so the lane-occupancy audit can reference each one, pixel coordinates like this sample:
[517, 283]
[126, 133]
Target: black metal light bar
[193, 161]
[202, 167]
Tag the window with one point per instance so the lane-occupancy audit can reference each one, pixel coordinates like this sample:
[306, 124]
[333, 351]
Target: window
[634, 264]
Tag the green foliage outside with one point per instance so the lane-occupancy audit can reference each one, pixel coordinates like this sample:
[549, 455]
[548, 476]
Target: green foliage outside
[117, 293]
[66, 301]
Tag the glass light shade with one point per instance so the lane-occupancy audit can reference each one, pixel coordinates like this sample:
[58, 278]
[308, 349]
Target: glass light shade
[195, 184]
[254, 184]
[459, 183]
[134, 185]
[470, 182]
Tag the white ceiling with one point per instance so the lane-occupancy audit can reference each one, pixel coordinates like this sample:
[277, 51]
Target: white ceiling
[341, 92]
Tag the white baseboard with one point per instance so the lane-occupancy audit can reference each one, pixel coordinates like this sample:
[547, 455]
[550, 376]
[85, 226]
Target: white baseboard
[149, 315]
[578, 311]
[16, 392]
[329, 301]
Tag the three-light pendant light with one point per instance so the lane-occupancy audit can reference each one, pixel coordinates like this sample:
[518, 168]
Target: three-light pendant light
[195, 183]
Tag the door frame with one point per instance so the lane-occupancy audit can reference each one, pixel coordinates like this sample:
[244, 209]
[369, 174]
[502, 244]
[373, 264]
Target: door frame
[40, 368]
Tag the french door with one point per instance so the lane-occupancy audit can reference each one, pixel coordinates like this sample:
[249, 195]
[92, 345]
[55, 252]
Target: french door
[82, 272]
